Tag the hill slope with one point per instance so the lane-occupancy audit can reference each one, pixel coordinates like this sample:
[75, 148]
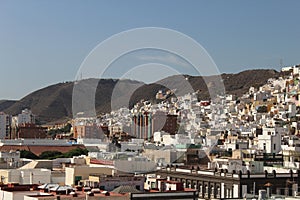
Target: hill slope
[4, 104]
[54, 103]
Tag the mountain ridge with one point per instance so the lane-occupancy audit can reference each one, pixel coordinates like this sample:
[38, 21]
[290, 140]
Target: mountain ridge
[54, 103]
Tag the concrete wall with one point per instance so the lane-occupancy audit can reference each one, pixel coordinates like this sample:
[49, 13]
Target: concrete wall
[58, 177]
[135, 166]
[84, 172]
[169, 156]
[7, 195]
[26, 176]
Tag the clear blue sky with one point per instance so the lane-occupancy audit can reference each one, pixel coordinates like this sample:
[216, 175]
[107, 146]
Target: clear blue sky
[44, 42]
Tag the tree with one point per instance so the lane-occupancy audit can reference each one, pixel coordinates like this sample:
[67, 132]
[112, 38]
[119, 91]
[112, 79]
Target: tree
[56, 154]
[67, 128]
[51, 155]
[28, 154]
[75, 152]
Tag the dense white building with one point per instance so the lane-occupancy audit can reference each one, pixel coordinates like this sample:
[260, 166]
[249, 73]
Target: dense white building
[26, 117]
[270, 140]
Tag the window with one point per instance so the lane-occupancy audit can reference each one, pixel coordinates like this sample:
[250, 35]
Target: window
[264, 146]
[102, 187]
[274, 147]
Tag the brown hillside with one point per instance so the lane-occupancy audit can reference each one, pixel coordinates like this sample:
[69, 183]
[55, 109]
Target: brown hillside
[54, 103]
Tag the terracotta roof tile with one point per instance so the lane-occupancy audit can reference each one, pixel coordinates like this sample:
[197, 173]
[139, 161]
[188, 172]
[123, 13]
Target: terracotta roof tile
[37, 150]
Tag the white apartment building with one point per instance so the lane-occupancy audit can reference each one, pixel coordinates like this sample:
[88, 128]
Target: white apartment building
[270, 140]
[26, 117]
[233, 143]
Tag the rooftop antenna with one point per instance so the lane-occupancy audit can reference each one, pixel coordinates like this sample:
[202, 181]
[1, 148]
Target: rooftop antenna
[281, 62]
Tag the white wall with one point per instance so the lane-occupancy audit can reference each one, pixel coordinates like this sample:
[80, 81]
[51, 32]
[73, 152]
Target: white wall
[59, 179]
[26, 117]
[7, 195]
[270, 140]
[30, 176]
[157, 136]
[84, 172]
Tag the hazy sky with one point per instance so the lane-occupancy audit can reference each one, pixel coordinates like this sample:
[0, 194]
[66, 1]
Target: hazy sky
[45, 42]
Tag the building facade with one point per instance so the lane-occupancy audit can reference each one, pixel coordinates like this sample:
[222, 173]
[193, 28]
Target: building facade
[88, 131]
[5, 125]
[220, 184]
[146, 124]
[26, 117]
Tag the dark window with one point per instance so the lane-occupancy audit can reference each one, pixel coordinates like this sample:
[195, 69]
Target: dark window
[102, 187]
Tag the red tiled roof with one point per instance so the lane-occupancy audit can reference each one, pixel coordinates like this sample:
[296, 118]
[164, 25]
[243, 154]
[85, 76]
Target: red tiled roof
[102, 162]
[37, 150]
